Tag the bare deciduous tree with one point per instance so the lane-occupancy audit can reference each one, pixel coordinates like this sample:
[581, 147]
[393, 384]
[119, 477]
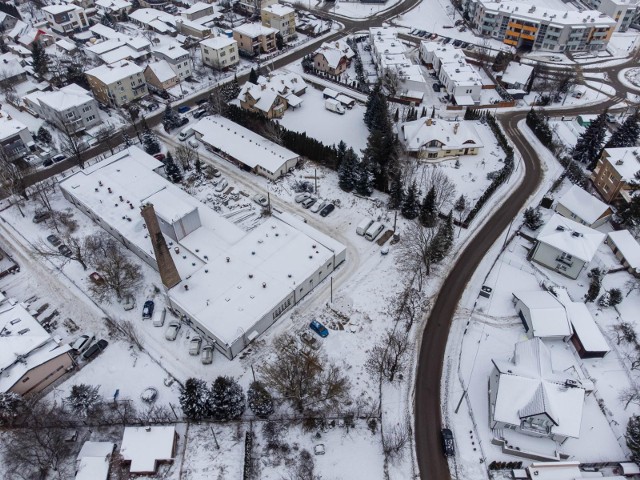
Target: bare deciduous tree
[628, 396]
[106, 135]
[388, 358]
[415, 252]
[409, 306]
[12, 178]
[72, 146]
[124, 329]
[79, 250]
[445, 189]
[185, 156]
[394, 440]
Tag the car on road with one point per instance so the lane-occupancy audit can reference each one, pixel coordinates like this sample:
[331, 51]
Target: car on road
[327, 210]
[64, 250]
[95, 349]
[260, 199]
[222, 184]
[147, 309]
[54, 240]
[202, 101]
[172, 331]
[47, 163]
[447, 442]
[159, 156]
[184, 109]
[193, 143]
[308, 202]
[301, 197]
[320, 329]
[316, 207]
[58, 158]
[194, 345]
[206, 355]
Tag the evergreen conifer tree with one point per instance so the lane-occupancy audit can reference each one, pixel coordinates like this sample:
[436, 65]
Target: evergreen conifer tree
[594, 285]
[590, 142]
[194, 399]
[348, 172]
[633, 437]
[150, 142]
[44, 135]
[428, 209]
[39, 59]
[443, 239]
[410, 208]
[372, 107]
[424, 112]
[461, 204]
[341, 150]
[171, 118]
[260, 400]
[396, 116]
[363, 179]
[396, 192]
[533, 218]
[627, 134]
[253, 76]
[227, 399]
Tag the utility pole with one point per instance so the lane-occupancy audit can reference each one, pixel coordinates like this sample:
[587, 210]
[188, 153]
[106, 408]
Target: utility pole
[315, 180]
[214, 437]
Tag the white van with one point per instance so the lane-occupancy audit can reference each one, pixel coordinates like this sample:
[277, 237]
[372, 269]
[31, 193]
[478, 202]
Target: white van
[363, 225]
[159, 316]
[373, 231]
[186, 133]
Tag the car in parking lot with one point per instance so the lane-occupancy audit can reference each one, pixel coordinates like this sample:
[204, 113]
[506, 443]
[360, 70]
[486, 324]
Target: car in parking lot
[172, 331]
[47, 163]
[457, 43]
[82, 343]
[316, 207]
[327, 210]
[147, 309]
[216, 173]
[301, 197]
[128, 303]
[447, 443]
[194, 345]
[206, 355]
[222, 184]
[193, 143]
[445, 41]
[308, 202]
[95, 349]
[64, 250]
[436, 87]
[153, 106]
[58, 158]
[260, 199]
[54, 240]
[41, 216]
[464, 45]
[201, 112]
[611, 118]
[320, 329]
[184, 109]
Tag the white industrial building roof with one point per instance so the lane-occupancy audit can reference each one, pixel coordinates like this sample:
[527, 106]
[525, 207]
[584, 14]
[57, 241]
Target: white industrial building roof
[584, 205]
[547, 315]
[109, 74]
[628, 247]
[571, 237]
[528, 386]
[145, 446]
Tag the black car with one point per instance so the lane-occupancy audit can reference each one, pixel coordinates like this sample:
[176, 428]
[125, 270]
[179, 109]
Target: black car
[446, 40]
[47, 163]
[447, 443]
[436, 87]
[147, 309]
[457, 43]
[327, 210]
[95, 349]
[54, 240]
[202, 101]
[64, 250]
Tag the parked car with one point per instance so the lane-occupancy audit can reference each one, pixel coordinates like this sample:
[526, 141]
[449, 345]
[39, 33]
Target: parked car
[82, 343]
[58, 158]
[193, 143]
[202, 101]
[158, 317]
[95, 349]
[201, 112]
[183, 121]
[128, 303]
[301, 197]
[153, 106]
[216, 173]
[308, 202]
[54, 240]
[147, 309]
[184, 109]
[96, 278]
[172, 331]
[436, 87]
[159, 156]
[64, 250]
[320, 329]
[447, 442]
[327, 210]
[47, 163]
[194, 345]
[41, 216]
[222, 184]
[457, 43]
[206, 356]
[611, 118]
[464, 45]
[260, 199]
[316, 207]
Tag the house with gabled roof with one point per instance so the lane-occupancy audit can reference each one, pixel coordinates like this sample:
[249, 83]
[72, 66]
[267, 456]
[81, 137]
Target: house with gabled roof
[542, 315]
[94, 460]
[160, 75]
[584, 208]
[433, 139]
[527, 395]
[333, 58]
[566, 246]
[626, 249]
[273, 94]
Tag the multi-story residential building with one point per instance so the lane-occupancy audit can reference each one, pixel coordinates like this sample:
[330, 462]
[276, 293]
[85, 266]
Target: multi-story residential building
[622, 11]
[461, 80]
[117, 84]
[15, 137]
[71, 108]
[254, 39]
[614, 175]
[530, 27]
[220, 52]
[66, 19]
[160, 75]
[177, 57]
[192, 29]
[255, 6]
[280, 17]
[116, 8]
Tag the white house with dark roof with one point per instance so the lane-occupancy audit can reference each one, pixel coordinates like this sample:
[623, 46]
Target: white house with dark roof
[542, 315]
[566, 246]
[626, 249]
[433, 139]
[527, 395]
[584, 208]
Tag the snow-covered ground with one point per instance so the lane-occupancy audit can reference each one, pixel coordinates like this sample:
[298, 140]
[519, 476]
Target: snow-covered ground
[357, 10]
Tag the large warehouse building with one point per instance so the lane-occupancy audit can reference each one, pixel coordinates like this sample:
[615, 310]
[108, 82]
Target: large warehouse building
[232, 284]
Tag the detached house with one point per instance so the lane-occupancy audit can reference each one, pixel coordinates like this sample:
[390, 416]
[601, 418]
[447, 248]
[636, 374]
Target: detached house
[614, 174]
[583, 207]
[566, 246]
[117, 84]
[273, 95]
[160, 75]
[15, 138]
[542, 315]
[220, 52]
[333, 58]
[432, 139]
[177, 57]
[280, 17]
[527, 395]
[66, 19]
[254, 39]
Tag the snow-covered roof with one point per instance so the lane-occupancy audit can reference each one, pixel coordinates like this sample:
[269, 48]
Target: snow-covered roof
[528, 386]
[109, 74]
[571, 237]
[197, 7]
[172, 51]
[11, 66]
[114, 5]
[9, 126]
[585, 328]
[624, 160]
[628, 246]
[254, 30]
[517, 73]
[66, 45]
[331, 55]
[145, 446]
[162, 70]
[286, 85]
[243, 144]
[57, 9]
[147, 15]
[452, 135]
[67, 97]
[93, 460]
[278, 9]
[329, 92]
[221, 41]
[584, 205]
[524, 11]
[547, 314]
[124, 52]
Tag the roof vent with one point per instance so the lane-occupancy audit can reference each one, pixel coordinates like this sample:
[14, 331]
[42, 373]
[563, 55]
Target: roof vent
[264, 284]
[619, 162]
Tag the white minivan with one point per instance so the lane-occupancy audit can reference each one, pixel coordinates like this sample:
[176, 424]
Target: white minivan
[159, 316]
[186, 133]
[373, 231]
[363, 226]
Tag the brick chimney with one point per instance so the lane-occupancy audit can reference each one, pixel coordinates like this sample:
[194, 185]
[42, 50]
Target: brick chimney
[167, 268]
